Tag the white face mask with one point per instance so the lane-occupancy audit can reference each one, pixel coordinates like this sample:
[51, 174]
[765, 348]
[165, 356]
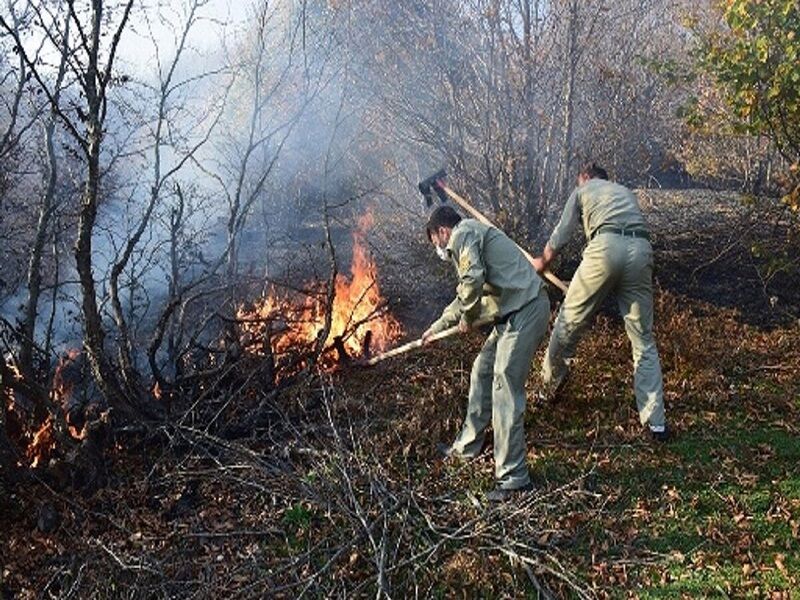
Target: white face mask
[443, 253]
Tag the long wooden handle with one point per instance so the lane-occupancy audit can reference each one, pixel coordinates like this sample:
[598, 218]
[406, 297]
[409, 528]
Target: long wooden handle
[411, 346]
[418, 343]
[479, 216]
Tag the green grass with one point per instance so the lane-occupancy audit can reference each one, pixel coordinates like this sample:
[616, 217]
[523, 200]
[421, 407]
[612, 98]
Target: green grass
[723, 482]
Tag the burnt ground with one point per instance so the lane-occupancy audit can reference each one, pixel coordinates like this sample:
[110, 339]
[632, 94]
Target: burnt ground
[726, 250]
[720, 248]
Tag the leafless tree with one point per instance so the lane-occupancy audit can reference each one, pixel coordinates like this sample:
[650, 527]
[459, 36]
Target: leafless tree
[90, 64]
[46, 209]
[168, 87]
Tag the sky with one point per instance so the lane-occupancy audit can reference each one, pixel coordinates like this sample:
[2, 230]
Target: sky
[159, 23]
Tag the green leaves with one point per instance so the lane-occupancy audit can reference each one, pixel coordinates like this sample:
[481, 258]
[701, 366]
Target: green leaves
[756, 62]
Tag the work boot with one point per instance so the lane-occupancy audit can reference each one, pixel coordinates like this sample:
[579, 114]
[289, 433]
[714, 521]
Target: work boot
[499, 494]
[552, 392]
[443, 451]
[661, 435]
[446, 454]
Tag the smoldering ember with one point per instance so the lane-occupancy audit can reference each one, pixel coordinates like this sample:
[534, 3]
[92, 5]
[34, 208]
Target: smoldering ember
[456, 298]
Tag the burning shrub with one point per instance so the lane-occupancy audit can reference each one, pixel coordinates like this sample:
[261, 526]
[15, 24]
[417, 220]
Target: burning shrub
[285, 327]
[37, 419]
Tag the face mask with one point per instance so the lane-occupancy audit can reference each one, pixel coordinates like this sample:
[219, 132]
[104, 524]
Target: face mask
[443, 253]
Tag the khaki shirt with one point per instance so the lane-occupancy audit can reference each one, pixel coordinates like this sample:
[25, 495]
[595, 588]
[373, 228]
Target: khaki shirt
[494, 277]
[598, 202]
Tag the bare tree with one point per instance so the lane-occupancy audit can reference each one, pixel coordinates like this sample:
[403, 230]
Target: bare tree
[278, 89]
[266, 133]
[167, 88]
[17, 123]
[90, 62]
[46, 209]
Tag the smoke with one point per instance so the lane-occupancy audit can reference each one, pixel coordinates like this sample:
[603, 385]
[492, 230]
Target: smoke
[278, 115]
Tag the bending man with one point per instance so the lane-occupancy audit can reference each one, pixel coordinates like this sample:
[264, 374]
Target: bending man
[486, 260]
[618, 259]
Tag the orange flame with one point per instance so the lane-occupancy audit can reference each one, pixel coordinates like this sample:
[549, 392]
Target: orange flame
[358, 308]
[7, 391]
[43, 443]
[63, 389]
[40, 444]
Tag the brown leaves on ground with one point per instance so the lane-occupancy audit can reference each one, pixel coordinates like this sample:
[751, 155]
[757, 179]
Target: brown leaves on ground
[343, 493]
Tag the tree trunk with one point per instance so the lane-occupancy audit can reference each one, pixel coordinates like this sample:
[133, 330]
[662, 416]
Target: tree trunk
[569, 101]
[93, 325]
[45, 213]
[94, 339]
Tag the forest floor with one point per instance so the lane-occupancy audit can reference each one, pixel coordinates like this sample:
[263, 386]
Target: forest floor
[339, 493]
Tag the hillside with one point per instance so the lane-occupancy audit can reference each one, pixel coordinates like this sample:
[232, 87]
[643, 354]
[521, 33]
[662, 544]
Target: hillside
[337, 491]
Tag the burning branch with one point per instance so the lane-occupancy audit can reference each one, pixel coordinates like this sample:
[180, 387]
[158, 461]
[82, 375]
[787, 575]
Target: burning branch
[313, 327]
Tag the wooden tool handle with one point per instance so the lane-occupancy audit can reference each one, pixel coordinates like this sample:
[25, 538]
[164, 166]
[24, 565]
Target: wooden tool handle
[418, 343]
[479, 216]
[410, 346]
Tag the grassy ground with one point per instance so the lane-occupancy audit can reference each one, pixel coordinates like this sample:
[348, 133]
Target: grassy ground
[713, 513]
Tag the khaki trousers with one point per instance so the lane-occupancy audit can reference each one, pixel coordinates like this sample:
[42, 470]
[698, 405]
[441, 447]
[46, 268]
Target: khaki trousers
[497, 392]
[623, 266]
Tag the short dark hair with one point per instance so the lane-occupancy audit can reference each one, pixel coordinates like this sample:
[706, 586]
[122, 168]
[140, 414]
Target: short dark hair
[442, 216]
[593, 171]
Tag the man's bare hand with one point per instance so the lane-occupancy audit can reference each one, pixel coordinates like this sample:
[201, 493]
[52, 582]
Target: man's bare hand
[426, 337]
[463, 326]
[539, 264]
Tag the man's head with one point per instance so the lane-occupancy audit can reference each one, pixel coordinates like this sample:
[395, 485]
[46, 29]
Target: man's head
[440, 225]
[591, 171]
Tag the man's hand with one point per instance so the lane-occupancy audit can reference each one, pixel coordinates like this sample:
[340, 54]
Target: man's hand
[463, 326]
[540, 263]
[426, 337]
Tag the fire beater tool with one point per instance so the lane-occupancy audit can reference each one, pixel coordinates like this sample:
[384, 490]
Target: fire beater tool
[436, 184]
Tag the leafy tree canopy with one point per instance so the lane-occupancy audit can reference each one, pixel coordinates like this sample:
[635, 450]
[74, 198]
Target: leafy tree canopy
[755, 61]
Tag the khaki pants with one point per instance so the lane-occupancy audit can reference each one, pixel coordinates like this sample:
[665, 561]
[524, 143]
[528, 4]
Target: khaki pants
[497, 392]
[623, 266]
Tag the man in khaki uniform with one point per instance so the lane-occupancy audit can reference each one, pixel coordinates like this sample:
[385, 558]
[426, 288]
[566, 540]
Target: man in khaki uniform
[618, 259]
[488, 262]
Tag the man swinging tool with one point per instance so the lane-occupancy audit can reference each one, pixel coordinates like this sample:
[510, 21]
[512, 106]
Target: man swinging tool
[487, 260]
[618, 259]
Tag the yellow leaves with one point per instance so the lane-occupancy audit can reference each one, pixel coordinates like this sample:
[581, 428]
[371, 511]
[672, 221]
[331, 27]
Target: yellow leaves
[792, 199]
[755, 65]
[780, 563]
[762, 49]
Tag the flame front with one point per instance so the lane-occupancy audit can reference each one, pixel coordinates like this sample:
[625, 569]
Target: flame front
[290, 324]
[64, 387]
[43, 443]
